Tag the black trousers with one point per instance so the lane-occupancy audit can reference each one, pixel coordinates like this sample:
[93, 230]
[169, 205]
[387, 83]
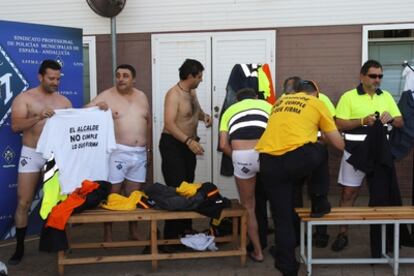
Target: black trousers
[261, 211]
[178, 165]
[279, 175]
[298, 203]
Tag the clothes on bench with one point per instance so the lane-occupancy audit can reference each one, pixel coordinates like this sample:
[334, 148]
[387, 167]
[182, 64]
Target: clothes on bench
[53, 236]
[117, 202]
[207, 201]
[236, 239]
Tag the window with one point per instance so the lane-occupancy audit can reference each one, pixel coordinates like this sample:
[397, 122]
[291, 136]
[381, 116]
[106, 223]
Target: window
[391, 45]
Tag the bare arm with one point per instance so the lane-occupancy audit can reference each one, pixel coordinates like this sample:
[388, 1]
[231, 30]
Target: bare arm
[395, 122]
[224, 143]
[335, 139]
[203, 116]
[170, 114]
[149, 126]
[68, 103]
[369, 120]
[344, 125]
[99, 102]
[149, 140]
[20, 120]
[398, 122]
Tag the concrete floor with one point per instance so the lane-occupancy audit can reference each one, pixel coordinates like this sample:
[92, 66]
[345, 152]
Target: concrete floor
[40, 263]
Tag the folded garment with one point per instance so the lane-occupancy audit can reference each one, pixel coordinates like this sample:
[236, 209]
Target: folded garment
[188, 189]
[199, 242]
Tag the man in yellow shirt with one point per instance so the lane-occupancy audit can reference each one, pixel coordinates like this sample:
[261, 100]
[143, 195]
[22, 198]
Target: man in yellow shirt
[289, 152]
[291, 85]
[355, 110]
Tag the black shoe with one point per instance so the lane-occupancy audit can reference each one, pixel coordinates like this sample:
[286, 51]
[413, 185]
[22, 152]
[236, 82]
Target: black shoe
[340, 243]
[293, 273]
[15, 259]
[289, 272]
[320, 206]
[320, 240]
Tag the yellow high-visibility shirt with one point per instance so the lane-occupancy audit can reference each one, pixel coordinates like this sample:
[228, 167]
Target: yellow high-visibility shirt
[295, 121]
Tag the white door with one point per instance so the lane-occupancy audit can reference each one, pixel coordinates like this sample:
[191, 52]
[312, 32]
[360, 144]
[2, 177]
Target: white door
[228, 50]
[218, 52]
[168, 53]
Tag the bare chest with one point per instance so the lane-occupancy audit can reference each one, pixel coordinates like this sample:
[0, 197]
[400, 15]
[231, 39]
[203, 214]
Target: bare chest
[37, 104]
[188, 107]
[129, 109]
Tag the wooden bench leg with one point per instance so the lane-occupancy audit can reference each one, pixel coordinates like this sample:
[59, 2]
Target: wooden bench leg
[243, 234]
[235, 230]
[61, 256]
[154, 245]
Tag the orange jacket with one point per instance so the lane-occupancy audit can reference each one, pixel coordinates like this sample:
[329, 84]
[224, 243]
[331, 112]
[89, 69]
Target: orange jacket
[61, 212]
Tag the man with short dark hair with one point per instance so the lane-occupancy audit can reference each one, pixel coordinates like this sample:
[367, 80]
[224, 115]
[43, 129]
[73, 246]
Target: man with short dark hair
[355, 111]
[30, 110]
[179, 143]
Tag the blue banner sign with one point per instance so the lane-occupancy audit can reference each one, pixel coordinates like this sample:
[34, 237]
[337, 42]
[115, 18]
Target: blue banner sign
[23, 47]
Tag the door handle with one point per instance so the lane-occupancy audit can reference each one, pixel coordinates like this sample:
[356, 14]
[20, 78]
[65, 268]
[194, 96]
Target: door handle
[216, 111]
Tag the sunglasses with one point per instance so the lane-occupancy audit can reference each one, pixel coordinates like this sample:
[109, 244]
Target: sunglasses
[374, 76]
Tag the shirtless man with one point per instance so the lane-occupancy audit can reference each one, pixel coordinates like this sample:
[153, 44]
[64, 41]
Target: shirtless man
[29, 111]
[130, 111]
[179, 143]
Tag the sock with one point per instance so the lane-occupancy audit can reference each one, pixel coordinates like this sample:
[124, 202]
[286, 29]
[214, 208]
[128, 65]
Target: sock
[18, 254]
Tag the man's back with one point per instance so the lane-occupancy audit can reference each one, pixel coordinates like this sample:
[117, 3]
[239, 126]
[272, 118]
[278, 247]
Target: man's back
[295, 121]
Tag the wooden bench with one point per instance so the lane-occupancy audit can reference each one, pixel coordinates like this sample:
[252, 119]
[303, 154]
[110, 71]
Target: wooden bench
[395, 216]
[237, 238]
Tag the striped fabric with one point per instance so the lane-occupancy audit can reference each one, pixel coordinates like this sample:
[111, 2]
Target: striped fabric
[246, 120]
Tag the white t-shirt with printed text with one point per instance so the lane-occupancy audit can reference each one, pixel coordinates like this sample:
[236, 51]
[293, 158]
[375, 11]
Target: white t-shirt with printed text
[81, 141]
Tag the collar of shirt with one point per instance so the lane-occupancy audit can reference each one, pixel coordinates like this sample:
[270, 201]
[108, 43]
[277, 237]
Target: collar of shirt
[361, 90]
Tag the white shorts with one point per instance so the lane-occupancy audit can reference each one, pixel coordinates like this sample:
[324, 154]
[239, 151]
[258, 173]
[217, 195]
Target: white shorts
[245, 163]
[348, 175]
[128, 163]
[30, 160]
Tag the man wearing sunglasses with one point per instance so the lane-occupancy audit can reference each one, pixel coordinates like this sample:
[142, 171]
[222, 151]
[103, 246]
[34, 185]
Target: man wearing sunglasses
[357, 109]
